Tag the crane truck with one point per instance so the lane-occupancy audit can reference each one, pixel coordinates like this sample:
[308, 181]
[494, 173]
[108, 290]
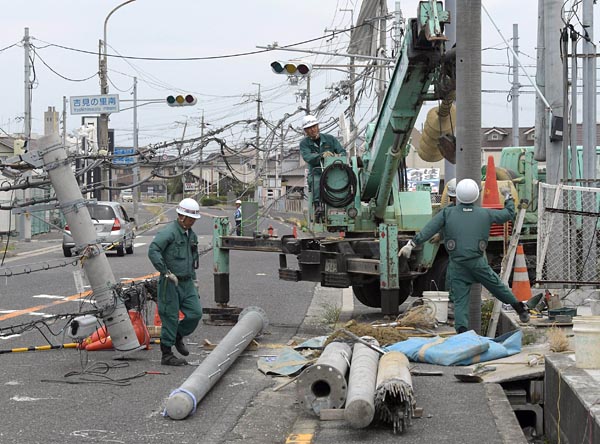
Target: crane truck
[366, 197]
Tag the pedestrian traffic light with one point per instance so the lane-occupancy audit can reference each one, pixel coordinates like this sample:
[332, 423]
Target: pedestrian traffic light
[181, 100]
[291, 68]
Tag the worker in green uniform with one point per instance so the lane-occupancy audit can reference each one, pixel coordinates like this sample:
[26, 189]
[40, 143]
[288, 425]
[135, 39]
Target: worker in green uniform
[465, 229]
[174, 253]
[313, 148]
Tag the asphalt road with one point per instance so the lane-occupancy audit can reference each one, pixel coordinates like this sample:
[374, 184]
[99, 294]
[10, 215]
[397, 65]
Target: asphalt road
[41, 405]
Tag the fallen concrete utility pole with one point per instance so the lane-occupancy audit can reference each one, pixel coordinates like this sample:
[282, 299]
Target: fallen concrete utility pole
[183, 401]
[95, 264]
[394, 397]
[323, 384]
[360, 404]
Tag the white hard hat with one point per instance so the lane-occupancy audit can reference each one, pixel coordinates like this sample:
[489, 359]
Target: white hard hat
[451, 187]
[238, 202]
[467, 191]
[309, 120]
[189, 207]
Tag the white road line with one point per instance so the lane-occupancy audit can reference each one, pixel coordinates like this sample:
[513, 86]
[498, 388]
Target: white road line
[37, 313]
[7, 311]
[9, 337]
[47, 296]
[137, 245]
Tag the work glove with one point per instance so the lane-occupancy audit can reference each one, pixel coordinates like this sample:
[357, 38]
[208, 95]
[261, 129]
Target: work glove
[435, 239]
[407, 249]
[327, 154]
[170, 276]
[506, 193]
[196, 284]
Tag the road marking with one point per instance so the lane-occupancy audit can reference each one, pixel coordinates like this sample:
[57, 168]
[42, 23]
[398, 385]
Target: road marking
[47, 296]
[9, 337]
[303, 432]
[37, 313]
[14, 313]
[141, 244]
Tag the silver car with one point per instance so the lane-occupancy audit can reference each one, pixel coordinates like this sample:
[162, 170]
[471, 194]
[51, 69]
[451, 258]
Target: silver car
[114, 229]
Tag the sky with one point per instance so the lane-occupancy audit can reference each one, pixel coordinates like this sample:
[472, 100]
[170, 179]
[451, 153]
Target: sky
[226, 87]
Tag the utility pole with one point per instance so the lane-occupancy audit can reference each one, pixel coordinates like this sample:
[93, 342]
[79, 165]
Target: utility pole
[382, 49]
[589, 92]
[564, 44]
[554, 85]
[257, 143]
[64, 121]
[515, 86]
[468, 100]
[541, 112]
[135, 192]
[574, 37]
[24, 218]
[450, 31]
[95, 263]
[103, 120]
[307, 93]
[201, 147]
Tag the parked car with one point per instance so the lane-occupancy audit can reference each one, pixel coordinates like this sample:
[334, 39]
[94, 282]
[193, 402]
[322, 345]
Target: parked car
[113, 227]
[126, 196]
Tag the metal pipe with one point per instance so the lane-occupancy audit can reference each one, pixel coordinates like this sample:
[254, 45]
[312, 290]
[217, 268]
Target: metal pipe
[394, 397]
[323, 385]
[183, 401]
[360, 403]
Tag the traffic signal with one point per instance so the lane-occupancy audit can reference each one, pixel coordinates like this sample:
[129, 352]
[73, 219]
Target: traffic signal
[291, 68]
[181, 100]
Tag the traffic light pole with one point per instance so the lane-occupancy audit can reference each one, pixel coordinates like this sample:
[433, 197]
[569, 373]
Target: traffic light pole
[135, 192]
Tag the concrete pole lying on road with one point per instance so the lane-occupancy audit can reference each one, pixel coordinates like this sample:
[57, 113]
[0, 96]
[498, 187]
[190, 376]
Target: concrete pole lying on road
[323, 384]
[98, 271]
[360, 405]
[183, 401]
[394, 397]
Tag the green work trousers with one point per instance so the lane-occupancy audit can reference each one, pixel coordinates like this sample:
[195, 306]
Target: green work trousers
[459, 278]
[171, 300]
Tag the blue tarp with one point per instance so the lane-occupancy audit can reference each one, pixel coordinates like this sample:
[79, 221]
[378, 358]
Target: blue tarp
[462, 349]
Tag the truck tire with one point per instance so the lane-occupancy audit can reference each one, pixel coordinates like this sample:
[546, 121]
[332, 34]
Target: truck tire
[370, 294]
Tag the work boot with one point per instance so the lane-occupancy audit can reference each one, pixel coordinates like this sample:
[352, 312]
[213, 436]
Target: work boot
[168, 358]
[522, 311]
[180, 345]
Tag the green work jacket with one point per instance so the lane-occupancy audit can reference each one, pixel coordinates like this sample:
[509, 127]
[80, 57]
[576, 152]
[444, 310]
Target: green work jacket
[465, 228]
[172, 250]
[312, 152]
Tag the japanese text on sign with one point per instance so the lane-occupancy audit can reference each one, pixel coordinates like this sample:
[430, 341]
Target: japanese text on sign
[104, 104]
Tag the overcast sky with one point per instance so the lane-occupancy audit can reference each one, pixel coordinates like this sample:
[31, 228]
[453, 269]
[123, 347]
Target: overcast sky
[225, 86]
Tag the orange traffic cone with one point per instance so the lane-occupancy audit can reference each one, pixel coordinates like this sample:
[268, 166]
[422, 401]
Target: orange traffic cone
[521, 287]
[491, 197]
[295, 231]
[158, 322]
[141, 331]
[99, 335]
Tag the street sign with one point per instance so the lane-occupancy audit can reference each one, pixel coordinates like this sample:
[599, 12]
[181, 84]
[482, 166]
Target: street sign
[123, 160]
[103, 104]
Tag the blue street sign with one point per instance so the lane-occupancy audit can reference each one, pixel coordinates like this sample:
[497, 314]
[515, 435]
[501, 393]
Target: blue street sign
[123, 160]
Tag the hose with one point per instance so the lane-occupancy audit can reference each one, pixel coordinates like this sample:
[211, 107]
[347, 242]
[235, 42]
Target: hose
[330, 195]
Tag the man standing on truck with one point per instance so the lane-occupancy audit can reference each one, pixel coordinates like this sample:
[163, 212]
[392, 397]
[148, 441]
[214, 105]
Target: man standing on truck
[465, 228]
[314, 148]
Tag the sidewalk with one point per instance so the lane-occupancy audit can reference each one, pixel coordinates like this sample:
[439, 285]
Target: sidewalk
[40, 242]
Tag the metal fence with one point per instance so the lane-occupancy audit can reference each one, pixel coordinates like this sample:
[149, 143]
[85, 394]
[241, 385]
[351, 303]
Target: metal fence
[568, 235]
